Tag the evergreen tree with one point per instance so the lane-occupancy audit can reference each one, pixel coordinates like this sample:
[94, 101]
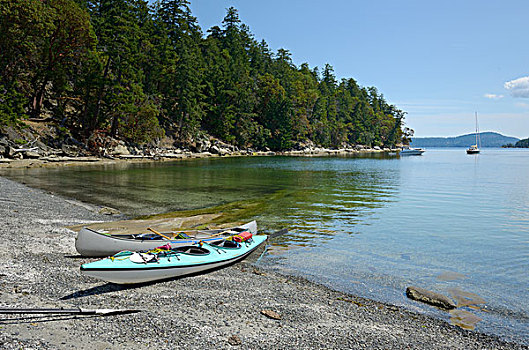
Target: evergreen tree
[274, 113]
[41, 43]
[114, 96]
[231, 95]
[183, 66]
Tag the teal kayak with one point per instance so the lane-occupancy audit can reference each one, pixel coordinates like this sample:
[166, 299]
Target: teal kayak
[139, 267]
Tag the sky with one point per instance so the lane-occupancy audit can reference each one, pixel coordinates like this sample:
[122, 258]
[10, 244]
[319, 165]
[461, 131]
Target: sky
[439, 61]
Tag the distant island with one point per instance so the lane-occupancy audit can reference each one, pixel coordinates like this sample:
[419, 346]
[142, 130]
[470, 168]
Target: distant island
[488, 139]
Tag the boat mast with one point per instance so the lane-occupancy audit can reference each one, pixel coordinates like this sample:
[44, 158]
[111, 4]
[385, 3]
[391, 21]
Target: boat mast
[477, 133]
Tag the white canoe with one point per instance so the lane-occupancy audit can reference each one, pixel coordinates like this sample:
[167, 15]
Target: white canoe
[96, 244]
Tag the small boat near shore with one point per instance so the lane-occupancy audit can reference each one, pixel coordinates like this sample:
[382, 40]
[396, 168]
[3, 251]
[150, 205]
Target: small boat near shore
[409, 151]
[92, 243]
[166, 262]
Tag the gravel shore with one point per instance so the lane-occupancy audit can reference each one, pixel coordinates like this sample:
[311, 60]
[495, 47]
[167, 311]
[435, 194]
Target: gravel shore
[39, 267]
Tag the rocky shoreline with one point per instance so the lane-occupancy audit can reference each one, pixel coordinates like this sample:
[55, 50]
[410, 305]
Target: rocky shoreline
[173, 155]
[21, 148]
[241, 306]
[31, 158]
[62, 160]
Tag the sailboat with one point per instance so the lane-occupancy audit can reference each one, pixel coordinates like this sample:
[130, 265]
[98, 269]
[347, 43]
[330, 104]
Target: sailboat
[474, 149]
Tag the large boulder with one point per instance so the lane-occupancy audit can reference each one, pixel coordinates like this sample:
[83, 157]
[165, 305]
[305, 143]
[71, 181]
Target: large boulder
[120, 150]
[10, 152]
[202, 146]
[214, 150]
[42, 146]
[70, 150]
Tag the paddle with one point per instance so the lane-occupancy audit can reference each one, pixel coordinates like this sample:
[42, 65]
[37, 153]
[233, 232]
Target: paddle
[76, 311]
[164, 236]
[158, 233]
[272, 235]
[217, 234]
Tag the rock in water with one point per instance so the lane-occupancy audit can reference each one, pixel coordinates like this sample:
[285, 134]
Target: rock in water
[464, 319]
[429, 297]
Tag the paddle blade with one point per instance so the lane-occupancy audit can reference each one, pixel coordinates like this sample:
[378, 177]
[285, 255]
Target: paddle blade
[108, 312]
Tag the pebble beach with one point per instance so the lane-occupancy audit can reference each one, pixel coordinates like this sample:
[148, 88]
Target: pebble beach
[241, 306]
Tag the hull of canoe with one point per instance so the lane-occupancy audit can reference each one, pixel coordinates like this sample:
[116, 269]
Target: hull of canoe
[95, 244]
[127, 272]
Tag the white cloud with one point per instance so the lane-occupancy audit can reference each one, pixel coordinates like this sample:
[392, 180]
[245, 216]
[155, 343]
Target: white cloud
[493, 96]
[522, 105]
[518, 87]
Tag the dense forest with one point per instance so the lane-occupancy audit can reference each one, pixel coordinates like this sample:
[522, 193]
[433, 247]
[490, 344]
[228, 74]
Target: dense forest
[137, 71]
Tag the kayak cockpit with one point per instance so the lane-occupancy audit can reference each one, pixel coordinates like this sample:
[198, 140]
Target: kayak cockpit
[191, 250]
[224, 243]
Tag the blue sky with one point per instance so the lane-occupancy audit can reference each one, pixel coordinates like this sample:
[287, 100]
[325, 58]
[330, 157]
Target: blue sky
[440, 61]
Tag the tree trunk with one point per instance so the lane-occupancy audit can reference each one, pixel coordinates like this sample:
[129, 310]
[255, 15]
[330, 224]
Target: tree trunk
[100, 95]
[38, 99]
[115, 118]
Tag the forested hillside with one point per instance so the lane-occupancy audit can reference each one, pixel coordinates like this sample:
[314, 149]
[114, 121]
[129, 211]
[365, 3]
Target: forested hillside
[134, 71]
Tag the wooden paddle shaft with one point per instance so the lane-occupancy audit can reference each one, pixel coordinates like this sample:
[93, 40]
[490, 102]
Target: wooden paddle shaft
[158, 233]
[39, 311]
[218, 234]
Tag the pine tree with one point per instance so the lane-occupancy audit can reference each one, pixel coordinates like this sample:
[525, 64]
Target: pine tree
[183, 66]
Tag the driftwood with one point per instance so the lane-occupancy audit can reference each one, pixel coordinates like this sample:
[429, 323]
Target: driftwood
[32, 149]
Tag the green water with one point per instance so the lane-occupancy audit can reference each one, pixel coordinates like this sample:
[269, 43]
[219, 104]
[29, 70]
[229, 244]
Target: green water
[372, 226]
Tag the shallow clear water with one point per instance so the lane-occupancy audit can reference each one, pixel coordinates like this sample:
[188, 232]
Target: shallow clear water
[445, 221]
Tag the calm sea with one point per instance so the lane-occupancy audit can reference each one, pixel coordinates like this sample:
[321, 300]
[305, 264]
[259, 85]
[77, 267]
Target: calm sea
[454, 223]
